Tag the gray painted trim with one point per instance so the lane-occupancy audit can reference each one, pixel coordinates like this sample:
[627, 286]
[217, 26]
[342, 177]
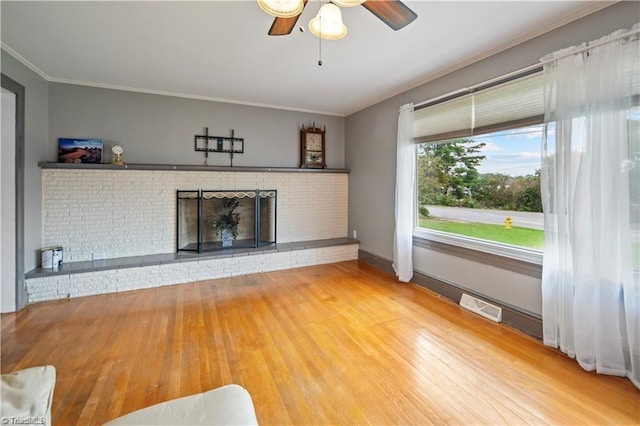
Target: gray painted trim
[519, 320]
[379, 262]
[19, 90]
[186, 168]
[515, 265]
[522, 321]
[165, 258]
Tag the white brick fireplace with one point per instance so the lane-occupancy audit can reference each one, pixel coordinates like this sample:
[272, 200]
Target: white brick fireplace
[114, 213]
[118, 213]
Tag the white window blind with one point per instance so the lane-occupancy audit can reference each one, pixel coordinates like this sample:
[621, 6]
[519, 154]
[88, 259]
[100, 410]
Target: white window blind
[515, 103]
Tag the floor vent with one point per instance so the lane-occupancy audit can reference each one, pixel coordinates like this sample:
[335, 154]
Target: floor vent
[480, 307]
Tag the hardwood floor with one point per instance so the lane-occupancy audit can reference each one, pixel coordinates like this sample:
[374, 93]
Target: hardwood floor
[331, 344]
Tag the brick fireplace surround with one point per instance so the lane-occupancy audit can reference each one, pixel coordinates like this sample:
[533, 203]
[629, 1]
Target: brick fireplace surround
[125, 216]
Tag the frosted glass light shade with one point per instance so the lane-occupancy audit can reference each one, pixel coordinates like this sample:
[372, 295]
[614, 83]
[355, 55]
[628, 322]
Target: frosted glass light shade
[328, 23]
[282, 8]
[348, 3]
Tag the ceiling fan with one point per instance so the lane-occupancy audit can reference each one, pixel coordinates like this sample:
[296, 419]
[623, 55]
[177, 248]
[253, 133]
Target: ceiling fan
[394, 13]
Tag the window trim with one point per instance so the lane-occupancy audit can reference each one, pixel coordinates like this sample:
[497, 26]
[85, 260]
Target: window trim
[507, 251]
[502, 250]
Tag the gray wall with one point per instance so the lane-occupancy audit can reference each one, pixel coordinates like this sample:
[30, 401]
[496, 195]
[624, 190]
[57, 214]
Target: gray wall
[36, 137]
[151, 129]
[371, 156]
[160, 129]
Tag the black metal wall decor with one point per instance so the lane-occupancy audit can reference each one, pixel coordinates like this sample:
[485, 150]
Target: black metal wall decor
[222, 219]
[208, 143]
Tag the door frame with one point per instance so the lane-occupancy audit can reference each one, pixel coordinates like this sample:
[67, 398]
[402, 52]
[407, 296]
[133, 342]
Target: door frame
[19, 90]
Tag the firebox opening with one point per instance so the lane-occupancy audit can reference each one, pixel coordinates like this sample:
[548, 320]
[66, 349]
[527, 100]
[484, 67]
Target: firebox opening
[216, 219]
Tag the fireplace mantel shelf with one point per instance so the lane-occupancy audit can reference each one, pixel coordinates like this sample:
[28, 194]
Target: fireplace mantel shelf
[185, 168]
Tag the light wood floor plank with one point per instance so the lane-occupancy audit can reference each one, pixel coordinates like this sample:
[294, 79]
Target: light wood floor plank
[331, 344]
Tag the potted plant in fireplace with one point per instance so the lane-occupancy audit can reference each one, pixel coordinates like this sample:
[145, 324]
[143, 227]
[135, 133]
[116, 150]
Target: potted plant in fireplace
[226, 222]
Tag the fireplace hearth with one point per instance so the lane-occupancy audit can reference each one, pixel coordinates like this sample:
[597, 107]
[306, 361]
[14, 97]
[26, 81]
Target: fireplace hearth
[225, 219]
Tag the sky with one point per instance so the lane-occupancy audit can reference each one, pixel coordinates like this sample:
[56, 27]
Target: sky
[515, 152]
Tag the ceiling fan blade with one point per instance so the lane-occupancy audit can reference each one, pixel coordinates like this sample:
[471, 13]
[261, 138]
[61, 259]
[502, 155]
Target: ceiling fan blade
[284, 26]
[394, 13]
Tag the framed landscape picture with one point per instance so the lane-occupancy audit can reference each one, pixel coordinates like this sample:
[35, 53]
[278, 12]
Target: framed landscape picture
[80, 151]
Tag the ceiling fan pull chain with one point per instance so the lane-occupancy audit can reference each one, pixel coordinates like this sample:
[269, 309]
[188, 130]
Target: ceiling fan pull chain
[320, 38]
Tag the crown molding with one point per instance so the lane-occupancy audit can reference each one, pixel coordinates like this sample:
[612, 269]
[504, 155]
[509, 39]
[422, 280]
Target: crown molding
[187, 96]
[24, 61]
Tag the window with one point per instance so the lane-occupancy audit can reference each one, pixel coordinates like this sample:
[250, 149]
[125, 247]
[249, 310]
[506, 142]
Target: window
[478, 167]
[485, 187]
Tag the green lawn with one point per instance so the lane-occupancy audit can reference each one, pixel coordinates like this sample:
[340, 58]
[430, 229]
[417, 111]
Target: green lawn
[518, 236]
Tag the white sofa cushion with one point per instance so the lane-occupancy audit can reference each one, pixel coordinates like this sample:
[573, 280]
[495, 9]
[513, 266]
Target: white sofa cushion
[28, 394]
[227, 405]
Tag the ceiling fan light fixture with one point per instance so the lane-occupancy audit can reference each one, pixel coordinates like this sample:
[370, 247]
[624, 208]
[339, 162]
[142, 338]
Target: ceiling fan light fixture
[348, 3]
[328, 24]
[282, 8]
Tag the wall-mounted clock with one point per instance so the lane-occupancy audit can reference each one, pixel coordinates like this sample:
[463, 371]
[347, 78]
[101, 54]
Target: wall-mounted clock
[312, 152]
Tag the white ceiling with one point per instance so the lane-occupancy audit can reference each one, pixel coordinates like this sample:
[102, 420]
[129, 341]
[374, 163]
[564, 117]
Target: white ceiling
[220, 50]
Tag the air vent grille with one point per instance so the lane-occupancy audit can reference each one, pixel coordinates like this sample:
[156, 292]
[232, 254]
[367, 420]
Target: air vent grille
[480, 307]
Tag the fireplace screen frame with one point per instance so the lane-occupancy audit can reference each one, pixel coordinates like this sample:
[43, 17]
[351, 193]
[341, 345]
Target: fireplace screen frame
[194, 231]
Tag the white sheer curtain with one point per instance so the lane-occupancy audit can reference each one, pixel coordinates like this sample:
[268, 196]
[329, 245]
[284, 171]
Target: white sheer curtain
[591, 199]
[405, 192]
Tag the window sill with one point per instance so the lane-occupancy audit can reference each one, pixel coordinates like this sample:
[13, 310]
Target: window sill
[517, 259]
